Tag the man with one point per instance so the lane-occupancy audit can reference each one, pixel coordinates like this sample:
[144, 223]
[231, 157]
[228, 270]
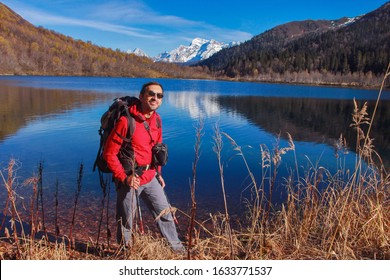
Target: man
[132, 168]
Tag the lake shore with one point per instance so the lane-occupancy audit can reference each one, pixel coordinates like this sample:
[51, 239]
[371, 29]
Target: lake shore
[357, 85]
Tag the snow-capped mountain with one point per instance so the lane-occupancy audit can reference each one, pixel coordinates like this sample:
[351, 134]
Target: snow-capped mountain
[199, 49]
[345, 21]
[138, 52]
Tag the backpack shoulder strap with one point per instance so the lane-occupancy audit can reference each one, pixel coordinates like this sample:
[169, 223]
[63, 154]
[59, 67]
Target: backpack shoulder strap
[147, 127]
[130, 127]
[158, 121]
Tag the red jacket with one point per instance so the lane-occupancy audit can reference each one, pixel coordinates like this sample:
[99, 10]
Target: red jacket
[141, 142]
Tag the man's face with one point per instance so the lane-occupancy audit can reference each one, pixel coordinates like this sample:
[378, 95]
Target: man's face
[151, 99]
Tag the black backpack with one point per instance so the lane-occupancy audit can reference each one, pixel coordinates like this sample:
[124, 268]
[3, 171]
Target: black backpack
[120, 107]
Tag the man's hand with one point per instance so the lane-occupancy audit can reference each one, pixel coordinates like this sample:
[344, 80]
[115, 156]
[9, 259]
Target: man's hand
[132, 181]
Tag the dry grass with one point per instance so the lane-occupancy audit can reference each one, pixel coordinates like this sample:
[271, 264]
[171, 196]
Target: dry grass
[343, 216]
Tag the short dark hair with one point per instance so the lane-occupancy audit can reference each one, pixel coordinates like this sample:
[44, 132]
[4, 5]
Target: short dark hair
[145, 86]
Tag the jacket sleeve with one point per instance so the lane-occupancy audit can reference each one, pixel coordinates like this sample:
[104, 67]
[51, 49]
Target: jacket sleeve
[112, 147]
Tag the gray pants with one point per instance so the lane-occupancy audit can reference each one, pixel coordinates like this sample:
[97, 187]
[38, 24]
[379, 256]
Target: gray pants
[154, 196]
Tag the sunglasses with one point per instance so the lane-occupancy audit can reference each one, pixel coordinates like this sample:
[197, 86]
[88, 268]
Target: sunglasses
[153, 94]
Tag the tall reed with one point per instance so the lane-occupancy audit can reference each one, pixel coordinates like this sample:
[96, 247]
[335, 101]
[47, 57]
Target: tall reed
[103, 184]
[77, 194]
[15, 218]
[198, 140]
[57, 228]
[40, 196]
[34, 222]
[218, 144]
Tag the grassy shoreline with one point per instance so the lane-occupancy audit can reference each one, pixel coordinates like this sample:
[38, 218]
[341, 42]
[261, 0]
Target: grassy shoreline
[348, 219]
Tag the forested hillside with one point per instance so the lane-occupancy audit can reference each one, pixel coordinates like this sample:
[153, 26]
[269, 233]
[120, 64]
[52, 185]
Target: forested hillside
[312, 52]
[329, 52]
[26, 49]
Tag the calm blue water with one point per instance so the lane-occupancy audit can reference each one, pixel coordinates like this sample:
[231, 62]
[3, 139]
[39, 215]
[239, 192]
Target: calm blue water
[61, 131]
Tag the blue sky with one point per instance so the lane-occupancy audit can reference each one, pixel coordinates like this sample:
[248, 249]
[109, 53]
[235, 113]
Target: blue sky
[156, 26]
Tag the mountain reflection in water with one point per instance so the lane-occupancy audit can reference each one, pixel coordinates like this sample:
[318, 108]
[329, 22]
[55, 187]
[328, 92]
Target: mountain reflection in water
[313, 120]
[19, 105]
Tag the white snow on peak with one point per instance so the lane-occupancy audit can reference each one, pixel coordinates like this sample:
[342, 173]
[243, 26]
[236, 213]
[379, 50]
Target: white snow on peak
[348, 21]
[138, 52]
[199, 49]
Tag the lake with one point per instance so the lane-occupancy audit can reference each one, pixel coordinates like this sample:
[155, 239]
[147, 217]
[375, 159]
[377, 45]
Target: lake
[55, 121]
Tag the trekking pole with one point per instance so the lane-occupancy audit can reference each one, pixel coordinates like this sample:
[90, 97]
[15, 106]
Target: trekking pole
[141, 222]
